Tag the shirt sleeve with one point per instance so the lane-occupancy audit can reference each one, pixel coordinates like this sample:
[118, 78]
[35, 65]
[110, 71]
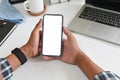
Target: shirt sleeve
[5, 69]
[106, 75]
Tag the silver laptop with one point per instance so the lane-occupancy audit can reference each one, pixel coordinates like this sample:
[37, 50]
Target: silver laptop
[98, 19]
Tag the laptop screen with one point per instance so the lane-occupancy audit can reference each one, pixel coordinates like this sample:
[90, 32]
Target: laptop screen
[107, 4]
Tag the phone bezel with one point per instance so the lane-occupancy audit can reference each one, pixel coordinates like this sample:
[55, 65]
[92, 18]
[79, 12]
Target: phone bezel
[61, 33]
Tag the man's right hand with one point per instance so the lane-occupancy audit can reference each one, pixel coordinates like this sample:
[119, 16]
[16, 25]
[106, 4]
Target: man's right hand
[69, 51]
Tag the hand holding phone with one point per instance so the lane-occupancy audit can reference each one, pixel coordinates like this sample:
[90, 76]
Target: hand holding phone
[52, 34]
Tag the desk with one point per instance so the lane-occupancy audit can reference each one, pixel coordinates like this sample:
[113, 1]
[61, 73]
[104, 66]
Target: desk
[104, 54]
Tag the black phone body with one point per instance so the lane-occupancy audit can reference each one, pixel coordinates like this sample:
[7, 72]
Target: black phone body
[52, 31]
[16, 1]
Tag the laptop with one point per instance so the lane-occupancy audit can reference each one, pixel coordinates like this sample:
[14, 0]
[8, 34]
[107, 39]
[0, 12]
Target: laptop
[6, 28]
[98, 19]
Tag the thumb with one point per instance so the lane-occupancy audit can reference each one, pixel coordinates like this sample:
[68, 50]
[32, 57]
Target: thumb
[67, 33]
[38, 25]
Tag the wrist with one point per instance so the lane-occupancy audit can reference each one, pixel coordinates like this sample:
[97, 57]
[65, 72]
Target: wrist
[20, 55]
[26, 50]
[79, 57]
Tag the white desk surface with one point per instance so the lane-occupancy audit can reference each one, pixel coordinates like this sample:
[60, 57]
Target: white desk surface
[104, 54]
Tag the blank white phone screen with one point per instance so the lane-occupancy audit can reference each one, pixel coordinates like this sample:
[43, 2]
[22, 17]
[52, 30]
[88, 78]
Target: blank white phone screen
[52, 34]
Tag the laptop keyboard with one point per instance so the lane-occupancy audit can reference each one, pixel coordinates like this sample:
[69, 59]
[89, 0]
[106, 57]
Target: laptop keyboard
[101, 16]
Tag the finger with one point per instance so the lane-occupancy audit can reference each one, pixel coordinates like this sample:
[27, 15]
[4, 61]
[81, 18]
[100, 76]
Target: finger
[40, 35]
[40, 44]
[46, 58]
[67, 32]
[39, 49]
[50, 58]
[63, 40]
[38, 25]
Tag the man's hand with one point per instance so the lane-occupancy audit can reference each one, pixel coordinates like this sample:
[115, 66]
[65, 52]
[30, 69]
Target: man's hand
[33, 46]
[70, 49]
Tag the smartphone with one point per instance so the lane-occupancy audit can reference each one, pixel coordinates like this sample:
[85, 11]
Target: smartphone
[16, 1]
[52, 31]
